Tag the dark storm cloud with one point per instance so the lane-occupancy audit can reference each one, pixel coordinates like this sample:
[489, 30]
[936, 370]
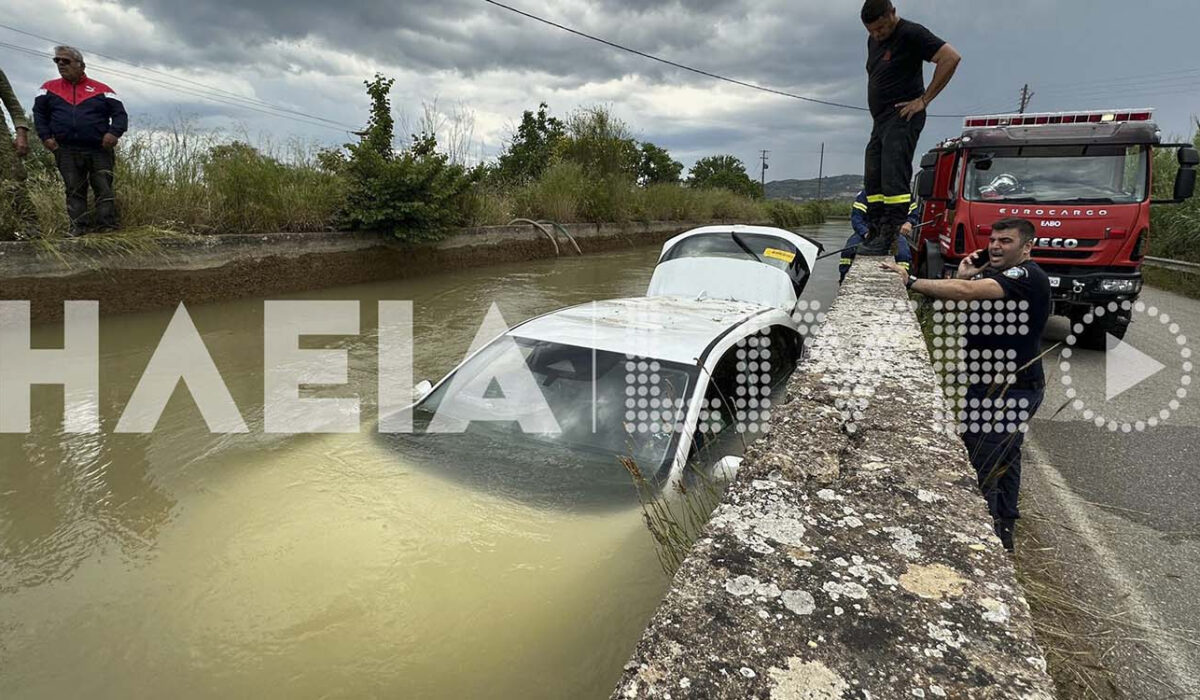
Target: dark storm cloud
[313, 55]
[784, 44]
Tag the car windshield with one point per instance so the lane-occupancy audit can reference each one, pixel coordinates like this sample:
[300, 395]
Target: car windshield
[1059, 174]
[742, 245]
[581, 408]
[770, 250]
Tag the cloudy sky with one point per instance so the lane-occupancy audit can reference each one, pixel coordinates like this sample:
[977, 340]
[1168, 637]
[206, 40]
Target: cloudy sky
[311, 56]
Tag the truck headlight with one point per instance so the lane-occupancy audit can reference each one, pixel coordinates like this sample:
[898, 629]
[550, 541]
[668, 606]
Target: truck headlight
[1119, 286]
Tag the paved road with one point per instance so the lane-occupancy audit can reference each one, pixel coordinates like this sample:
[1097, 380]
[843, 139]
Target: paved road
[1124, 507]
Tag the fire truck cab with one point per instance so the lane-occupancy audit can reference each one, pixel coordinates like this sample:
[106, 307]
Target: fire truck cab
[1082, 178]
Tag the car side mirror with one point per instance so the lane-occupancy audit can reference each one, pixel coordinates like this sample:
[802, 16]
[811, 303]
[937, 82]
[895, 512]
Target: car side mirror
[726, 468]
[422, 389]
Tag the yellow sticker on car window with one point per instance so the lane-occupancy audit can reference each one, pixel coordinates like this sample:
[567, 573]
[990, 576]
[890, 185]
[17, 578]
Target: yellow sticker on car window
[779, 254]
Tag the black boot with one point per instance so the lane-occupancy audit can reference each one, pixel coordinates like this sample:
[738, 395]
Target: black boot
[879, 240]
[1005, 529]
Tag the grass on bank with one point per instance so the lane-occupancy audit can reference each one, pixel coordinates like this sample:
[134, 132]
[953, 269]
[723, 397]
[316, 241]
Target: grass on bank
[1179, 282]
[185, 182]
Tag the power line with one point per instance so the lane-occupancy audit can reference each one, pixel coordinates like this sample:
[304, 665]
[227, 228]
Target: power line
[210, 92]
[184, 90]
[681, 66]
[1121, 79]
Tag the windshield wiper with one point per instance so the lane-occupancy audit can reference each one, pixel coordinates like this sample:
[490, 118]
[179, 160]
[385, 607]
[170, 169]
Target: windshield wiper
[1089, 200]
[1021, 200]
[742, 244]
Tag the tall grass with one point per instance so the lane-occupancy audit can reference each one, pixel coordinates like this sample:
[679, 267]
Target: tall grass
[789, 215]
[675, 518]
[180, 179]
[566, 195]
[183, 180]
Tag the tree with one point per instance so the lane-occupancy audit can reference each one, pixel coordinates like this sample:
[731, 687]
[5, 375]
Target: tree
[379, 134]
[531, 148]
[725, 172]
[657, 167]
[601, 143]
[416, 194]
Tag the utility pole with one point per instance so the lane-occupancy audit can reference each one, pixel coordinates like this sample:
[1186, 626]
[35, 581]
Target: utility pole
[1026, 96]
[821, 171]
[762, 178]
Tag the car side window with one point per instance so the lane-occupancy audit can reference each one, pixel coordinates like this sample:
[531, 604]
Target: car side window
[744, 384]
[716, 433]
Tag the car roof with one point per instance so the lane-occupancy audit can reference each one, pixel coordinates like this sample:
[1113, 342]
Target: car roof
[674, 329]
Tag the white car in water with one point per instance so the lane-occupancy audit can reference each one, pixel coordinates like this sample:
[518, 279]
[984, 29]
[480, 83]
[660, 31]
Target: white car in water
[676, 382]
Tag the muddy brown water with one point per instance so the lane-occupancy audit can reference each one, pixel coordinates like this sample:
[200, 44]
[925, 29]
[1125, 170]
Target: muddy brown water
[187, 564]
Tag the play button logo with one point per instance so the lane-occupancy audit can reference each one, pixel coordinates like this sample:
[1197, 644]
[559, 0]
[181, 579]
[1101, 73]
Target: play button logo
[1125, 367]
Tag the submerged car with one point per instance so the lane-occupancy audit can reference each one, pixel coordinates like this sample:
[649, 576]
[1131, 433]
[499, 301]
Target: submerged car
[674, 383]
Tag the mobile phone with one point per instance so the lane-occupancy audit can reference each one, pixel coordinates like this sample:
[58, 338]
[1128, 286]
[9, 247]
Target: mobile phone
[979, 259]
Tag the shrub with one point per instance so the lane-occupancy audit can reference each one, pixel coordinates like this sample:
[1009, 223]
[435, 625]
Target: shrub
[415, 195]
[600, 143]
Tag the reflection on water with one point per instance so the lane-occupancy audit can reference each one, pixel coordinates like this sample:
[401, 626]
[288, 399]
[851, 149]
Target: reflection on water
[187, 564]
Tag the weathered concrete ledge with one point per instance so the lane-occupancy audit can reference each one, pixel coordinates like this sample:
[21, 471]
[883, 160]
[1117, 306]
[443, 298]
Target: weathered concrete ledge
[852, 557]
[198, 269]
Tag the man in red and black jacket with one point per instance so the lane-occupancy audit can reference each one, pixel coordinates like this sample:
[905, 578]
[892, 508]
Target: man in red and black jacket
[80, 121]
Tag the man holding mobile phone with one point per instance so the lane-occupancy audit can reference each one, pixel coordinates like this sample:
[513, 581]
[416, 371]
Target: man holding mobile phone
[1004, 284]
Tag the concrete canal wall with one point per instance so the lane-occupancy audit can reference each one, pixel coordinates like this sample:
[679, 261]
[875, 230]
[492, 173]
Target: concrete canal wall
[852, 557]
[197, 269]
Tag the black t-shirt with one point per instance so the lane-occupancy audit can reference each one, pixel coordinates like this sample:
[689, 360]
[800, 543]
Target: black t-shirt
[894, 66]
[1011, 328]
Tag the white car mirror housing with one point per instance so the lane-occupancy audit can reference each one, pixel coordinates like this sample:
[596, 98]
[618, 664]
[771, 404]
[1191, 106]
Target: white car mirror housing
[726, 468]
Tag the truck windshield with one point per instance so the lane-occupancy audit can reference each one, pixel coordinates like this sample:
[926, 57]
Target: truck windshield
[1059, 174]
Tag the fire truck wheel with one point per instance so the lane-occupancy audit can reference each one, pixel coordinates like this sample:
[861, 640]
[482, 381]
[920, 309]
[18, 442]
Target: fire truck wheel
[1095, 330]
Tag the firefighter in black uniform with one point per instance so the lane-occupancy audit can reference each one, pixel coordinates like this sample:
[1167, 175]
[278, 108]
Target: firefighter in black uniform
[1013, 293]
[897, 96]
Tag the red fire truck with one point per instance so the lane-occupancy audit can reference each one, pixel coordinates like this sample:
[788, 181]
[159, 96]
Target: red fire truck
[1082, 178]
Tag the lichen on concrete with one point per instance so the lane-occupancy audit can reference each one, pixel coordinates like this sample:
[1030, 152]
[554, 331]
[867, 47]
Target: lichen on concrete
[852, 557]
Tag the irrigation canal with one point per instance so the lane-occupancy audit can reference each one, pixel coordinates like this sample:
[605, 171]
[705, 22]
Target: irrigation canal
[184, 564]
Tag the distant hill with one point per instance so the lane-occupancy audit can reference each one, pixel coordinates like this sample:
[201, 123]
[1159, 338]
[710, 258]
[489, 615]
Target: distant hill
[832, 187]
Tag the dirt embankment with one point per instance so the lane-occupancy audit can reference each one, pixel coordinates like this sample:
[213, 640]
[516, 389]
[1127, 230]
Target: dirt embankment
[161, 274]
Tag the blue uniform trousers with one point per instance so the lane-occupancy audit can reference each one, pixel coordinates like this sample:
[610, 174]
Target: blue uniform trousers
[903, 254]
[993, 438]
